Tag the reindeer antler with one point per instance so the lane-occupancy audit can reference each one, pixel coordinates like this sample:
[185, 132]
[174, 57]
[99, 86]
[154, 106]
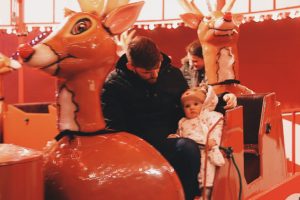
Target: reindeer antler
[228, 6]
[101, 7]
[220, 5]
[208, 3]
[97, 6]
[190, 6]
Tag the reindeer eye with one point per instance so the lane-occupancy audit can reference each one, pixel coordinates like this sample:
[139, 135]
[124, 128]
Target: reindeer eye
[81, 26]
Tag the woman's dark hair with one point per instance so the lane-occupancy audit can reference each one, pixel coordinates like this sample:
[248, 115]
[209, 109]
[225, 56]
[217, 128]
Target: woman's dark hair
[195, 49]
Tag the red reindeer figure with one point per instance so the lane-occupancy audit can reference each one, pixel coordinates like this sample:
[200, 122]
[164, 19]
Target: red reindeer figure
[88, 161]
[218, 35]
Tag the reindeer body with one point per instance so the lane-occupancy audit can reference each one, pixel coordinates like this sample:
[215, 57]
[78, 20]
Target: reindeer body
[103, 166]
[218, 35]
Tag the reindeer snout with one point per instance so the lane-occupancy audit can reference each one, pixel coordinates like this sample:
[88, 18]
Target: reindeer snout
[227, 17]
[25, 51]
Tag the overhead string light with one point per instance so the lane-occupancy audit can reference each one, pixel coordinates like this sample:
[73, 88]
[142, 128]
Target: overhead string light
[249, 17]
[274, 15]
[169, 24]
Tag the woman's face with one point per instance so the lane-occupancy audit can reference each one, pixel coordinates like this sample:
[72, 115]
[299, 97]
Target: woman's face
[195, 61]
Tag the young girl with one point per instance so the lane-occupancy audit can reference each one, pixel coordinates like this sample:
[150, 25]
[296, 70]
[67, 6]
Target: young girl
[199, 121]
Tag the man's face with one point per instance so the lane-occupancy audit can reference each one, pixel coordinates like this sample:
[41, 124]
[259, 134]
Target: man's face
[149, 75]
[195, 61]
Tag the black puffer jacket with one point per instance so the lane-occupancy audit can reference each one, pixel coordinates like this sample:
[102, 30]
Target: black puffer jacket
[150, 111]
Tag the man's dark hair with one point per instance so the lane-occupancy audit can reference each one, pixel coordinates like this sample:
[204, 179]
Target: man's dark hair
[143, 52]
[195, 49]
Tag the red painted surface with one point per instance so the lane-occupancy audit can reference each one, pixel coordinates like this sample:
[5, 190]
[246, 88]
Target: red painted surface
[268, 62]
[260, 177]
[109, 166]
[287, 189]
[21, 173]
[31, 129]
[268, 54]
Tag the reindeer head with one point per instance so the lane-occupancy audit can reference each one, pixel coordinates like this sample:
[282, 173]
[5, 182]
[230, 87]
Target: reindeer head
[218, 35]
[82, 52]
[84, 40]
[218, 27]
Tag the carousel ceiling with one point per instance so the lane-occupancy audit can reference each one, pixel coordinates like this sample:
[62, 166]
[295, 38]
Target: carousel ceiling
[46, 14]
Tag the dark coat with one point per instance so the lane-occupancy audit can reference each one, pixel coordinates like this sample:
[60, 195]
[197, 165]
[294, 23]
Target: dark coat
[150, 111]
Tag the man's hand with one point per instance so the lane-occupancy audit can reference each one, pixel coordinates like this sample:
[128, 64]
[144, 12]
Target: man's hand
[231, 101]
[123, 40]
[173, 136]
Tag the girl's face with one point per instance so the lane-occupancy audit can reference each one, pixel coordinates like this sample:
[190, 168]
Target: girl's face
[192, 108]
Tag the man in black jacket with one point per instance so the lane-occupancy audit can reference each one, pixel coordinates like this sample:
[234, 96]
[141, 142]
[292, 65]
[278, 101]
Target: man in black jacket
[142, 96]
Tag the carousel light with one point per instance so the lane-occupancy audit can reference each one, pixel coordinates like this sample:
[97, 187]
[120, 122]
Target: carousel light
[146, 27]
[29, 28]
[48, 29]
[42, 28]
[261, 18]
[274, 16]
[9, 31]
[174, 25]
[279, 16]
[54, 27]
[293, 14]
[169, 26]
[256, 18]
[151, 26]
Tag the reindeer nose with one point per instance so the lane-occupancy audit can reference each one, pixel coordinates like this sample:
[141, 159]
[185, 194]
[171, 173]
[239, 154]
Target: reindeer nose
[227, 17]
[25, 51]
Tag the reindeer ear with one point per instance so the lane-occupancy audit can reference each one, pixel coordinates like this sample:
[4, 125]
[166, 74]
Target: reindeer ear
[68, 12]
[122, 18]
[191, 20]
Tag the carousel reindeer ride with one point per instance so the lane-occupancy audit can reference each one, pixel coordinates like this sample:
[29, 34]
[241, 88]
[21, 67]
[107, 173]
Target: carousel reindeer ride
[253, 134]
[88, 161]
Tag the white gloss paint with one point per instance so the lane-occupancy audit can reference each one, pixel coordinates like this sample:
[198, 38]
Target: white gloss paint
[287, 130]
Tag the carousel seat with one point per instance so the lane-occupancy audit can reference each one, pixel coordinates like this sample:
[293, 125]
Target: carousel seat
[252, 108]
